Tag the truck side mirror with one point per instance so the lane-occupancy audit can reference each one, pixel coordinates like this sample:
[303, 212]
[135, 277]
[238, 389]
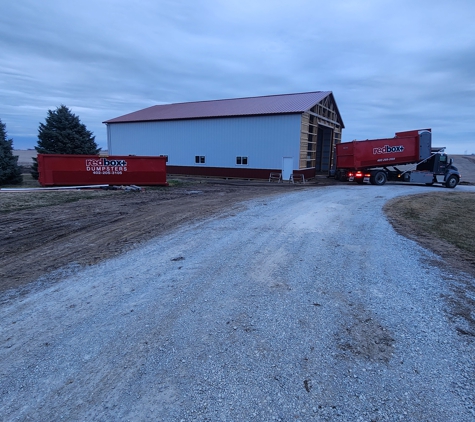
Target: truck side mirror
[451, 161]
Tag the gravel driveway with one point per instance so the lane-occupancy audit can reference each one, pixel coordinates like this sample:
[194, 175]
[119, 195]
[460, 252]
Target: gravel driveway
[305, 306]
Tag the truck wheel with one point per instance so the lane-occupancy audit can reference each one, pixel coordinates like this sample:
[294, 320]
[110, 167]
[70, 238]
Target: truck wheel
[451, 182]
[380, 178]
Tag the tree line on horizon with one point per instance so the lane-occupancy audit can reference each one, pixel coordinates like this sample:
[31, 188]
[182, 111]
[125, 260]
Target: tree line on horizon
[62, 133]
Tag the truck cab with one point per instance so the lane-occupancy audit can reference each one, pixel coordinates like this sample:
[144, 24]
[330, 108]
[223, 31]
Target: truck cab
[437, 168]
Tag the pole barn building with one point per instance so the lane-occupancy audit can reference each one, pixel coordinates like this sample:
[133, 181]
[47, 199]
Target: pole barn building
[242, 137]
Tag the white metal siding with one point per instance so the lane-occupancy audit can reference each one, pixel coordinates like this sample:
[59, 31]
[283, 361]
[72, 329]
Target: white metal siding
[263, 139]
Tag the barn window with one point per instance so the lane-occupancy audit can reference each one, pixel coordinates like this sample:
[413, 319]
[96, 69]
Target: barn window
[200, 159]
[241, 161]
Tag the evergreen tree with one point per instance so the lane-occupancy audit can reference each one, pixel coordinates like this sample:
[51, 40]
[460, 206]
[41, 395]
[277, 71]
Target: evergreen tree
[63, 133]
[10, 172]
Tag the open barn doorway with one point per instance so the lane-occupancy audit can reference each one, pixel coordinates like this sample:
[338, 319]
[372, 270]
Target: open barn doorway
[324, 149]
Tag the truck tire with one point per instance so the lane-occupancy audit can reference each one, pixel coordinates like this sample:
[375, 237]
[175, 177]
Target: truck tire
[451, 182]
[379, 178]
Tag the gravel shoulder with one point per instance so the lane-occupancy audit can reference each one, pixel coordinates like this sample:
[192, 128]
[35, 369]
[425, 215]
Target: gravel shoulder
[303, 305]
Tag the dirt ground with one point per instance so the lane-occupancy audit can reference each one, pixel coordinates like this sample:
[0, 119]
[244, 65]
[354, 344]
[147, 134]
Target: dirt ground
[35, 242]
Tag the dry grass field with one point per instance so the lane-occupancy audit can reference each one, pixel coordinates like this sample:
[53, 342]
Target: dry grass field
[440, 222]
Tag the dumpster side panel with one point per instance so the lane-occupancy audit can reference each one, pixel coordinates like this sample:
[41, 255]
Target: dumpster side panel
[378, 152]
[345, 157]
[71, 170]
[387, 152]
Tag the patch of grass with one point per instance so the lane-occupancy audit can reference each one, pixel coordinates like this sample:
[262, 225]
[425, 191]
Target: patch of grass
[172, 183]
[176, 183]
[17, 201]
[29, 182]
[447, 216]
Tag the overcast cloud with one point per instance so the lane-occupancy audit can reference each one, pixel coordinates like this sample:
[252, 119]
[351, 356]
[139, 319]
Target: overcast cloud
[392, 65]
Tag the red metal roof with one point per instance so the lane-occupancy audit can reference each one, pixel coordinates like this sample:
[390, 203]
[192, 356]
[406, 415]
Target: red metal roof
[251, 106]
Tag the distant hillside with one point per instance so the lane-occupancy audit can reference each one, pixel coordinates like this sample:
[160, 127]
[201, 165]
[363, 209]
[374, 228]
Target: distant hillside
[25, 156]
[466, 166]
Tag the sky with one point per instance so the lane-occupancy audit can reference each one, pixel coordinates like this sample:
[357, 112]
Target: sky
[392, 65]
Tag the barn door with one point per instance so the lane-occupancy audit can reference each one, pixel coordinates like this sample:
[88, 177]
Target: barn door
[287, 167]
[324, 148]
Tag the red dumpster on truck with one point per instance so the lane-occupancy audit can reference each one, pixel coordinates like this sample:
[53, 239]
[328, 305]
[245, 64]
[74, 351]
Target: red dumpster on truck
[79, 170]
[404, 148]
[376, 160]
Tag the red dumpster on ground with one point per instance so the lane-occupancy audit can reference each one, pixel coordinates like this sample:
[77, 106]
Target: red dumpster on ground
[79, 170]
